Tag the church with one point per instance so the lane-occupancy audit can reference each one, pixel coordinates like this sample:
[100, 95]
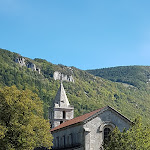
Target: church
[86, 132]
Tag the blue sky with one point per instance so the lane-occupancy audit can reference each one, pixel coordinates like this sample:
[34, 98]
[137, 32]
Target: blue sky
[86, 34]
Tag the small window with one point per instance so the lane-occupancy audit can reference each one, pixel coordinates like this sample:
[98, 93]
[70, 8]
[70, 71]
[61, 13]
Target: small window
[61, 122]
[107, 134]
[64, 115]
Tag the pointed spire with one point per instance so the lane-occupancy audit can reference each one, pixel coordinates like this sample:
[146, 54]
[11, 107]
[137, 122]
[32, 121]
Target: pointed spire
[61, 99]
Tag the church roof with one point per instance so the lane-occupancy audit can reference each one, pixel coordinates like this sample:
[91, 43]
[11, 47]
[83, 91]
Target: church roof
[83, 118]
[61, 98]
[76, 120]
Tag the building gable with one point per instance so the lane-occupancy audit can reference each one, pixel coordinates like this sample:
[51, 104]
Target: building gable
[89, 116]
[96, 127]
[103, 110]
[88, 131]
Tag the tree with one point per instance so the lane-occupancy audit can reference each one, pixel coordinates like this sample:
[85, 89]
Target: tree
[22, 125]
[136, 138]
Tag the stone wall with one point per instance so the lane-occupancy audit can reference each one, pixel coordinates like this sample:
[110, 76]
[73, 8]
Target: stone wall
[94, 129]
[71, 139]
[56, 115]
[90, 135]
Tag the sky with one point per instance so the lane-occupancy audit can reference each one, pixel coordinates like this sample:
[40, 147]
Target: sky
[87, 34]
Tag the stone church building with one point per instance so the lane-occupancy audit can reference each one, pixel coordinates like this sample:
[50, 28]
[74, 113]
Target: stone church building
[86, 132]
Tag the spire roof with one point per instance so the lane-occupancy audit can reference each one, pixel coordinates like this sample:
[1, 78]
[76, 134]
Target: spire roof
[61, 99]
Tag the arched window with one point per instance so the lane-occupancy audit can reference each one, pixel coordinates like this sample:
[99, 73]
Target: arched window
[107, 132]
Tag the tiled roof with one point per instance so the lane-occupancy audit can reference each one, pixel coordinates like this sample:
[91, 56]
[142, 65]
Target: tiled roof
[76, 120]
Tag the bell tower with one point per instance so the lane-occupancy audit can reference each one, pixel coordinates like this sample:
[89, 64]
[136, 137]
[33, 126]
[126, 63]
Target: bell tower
[61, 110]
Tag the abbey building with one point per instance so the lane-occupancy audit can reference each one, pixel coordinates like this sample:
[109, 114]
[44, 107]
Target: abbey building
[86, 132]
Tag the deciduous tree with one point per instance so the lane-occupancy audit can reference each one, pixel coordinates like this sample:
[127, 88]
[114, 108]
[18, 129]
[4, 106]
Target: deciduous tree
[22, 126]
[136, 138]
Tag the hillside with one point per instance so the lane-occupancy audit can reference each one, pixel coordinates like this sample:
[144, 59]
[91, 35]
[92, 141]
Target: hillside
[137, 76]
[87, 93]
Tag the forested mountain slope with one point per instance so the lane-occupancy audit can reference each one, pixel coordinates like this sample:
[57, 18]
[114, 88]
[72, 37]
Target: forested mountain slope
[138, 76]
[86, 93]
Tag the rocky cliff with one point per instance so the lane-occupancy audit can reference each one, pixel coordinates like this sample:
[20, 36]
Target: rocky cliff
[60, 76]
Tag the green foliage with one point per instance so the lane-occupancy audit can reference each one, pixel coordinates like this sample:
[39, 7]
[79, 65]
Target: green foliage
[137, 76]
[136, 138]
[22, 125]
[86, 94]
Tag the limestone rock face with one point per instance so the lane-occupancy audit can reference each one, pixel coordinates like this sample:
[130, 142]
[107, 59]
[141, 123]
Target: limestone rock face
[33, 67]
[60, 76]
[22, 62]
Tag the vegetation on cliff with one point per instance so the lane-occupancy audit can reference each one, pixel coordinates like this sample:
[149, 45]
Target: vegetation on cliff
[86, 94]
